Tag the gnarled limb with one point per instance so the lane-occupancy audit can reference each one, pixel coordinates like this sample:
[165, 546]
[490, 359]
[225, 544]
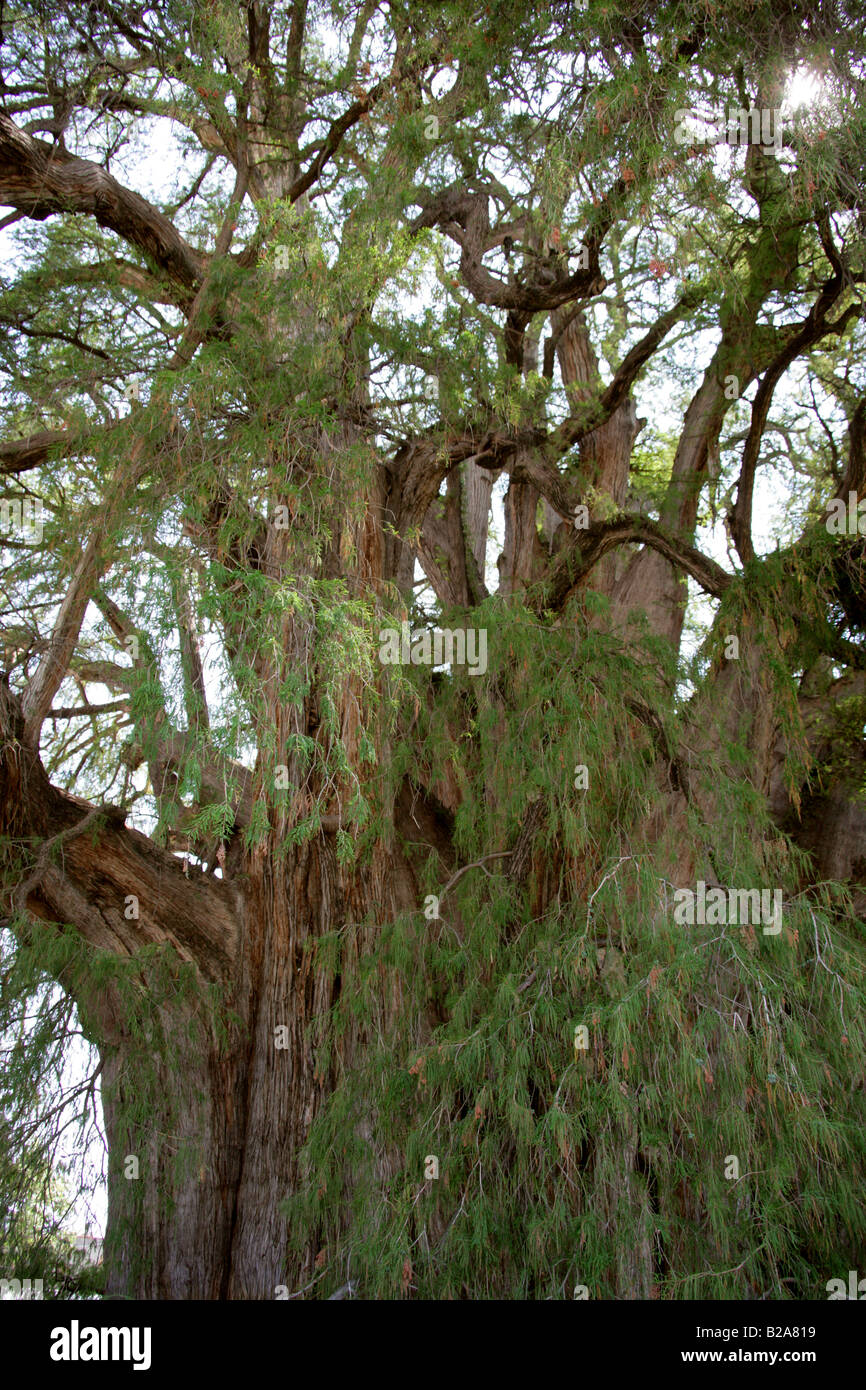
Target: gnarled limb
[89, 866]
[586, 547]
[42, 180]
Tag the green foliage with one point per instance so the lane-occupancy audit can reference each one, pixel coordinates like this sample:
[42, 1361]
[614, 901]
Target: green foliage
[704, 1042]
[35, 1198]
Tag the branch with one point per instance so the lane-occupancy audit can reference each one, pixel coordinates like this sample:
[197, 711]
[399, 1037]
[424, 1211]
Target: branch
[41, 180]
[52, 669]
[344, 123]
[98, 872]
[18, 455]
[194, 687]
[576, 427]
[84, 711]
[813, 328]
[464, 217]
[587, 547]
[119, 271]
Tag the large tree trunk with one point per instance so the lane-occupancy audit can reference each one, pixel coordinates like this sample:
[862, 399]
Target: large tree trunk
[206, 1108]
[173, 1179]
[226, 1117]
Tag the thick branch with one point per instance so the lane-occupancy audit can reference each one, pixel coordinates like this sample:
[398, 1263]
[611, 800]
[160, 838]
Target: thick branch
[18, 455]
[42, 180]
[89, 866]
[587, 547]
[465, 218]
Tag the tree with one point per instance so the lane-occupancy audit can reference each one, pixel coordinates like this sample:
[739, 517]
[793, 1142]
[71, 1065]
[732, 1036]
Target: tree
[388, 960]
[32, 1235]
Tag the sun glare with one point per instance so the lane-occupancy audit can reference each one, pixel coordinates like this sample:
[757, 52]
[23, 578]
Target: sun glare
[803, 89]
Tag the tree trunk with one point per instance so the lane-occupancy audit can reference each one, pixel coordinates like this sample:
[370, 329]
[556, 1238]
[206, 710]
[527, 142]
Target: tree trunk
[214, 1123]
